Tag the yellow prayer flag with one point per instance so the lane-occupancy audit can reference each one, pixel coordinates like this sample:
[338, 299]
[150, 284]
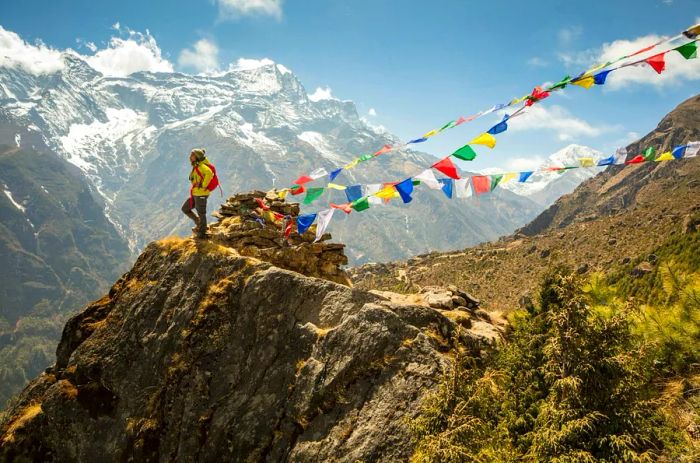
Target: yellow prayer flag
[485, 139]
[667, 156]
[335, 186]
[508, 177]
[352, 164]
[282, 193]
[595, 68]
[387, 192]
[586, 82]
[586, 162]
[430, 134]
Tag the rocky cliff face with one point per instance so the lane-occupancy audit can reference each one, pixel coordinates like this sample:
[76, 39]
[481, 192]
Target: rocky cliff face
[201, 354]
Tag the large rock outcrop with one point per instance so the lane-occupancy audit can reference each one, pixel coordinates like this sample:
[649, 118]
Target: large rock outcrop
[201, 354]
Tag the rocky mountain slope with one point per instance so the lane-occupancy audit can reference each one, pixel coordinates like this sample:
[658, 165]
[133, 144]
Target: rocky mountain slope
[201, 354]
[130, 136]
[58, 251]
[617, 217]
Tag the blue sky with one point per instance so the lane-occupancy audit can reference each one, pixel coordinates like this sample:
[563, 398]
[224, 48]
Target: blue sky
[415, 64]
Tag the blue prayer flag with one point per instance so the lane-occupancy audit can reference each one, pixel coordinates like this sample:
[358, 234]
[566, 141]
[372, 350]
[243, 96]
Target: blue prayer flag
[607, 161]
[334, 174]
[417, 140]
[447, 186]
[304, 222]
[599, 79]
[500, 127]
[524, 176]
[679, 151]
[405, 189]
[353, 192]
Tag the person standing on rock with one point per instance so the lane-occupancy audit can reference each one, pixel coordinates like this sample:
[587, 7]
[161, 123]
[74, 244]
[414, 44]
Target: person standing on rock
[200, 177]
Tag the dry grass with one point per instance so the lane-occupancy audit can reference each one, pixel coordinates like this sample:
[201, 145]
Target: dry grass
[68, 389]
[27, 414]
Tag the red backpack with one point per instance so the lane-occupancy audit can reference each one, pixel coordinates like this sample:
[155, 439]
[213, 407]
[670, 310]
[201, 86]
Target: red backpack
[214, 182]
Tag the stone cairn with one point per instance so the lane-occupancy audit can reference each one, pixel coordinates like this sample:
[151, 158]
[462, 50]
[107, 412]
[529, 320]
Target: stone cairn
[245, 226]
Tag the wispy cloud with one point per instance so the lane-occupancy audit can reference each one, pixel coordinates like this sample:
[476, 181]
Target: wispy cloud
[524, 164]
[567, 35]
[556, 119]
[232, 9]
[537, 62]
[202, 57]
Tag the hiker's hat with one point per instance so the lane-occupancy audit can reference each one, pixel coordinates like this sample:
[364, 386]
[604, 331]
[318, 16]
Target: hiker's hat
[198, 153]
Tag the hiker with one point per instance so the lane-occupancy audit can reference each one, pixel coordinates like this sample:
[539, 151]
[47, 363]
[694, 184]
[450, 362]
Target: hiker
[200, 178]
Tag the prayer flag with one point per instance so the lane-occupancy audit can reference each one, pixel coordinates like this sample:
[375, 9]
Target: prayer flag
[508, 177]
[586, 82]
[495, 180]
[679, 151]
[353, 192]
[641, 51]
[372, 189]
[447, 167]
[288, 228]
[365, 157]
[417, 140]
[688, 50]
[561, 84]
[303, 179]
[318, 173]
[607, 161]
[360, 204]
[405, 188]
[297, 190]
[649, 154]
[586, 162]
[343, 207]
[524, 176]
[262, 204]
[282, 193]
[312, 194]
[620, 155]
[536, 95]
[465, 153]
[461, 120]
[485, 139]
[428, 177]
[657, 62]
[692, 149]
[449, 125]
[335, 186]
[462, 188]
[324, 218]
[304, 222]
[430, 134]
[351, 164]
[636, 160]
[481, 184]
[385, 149]
[667, 156]
[599, 78]
[334, 174]
[447, 186]
[387, 192]
[500, 127]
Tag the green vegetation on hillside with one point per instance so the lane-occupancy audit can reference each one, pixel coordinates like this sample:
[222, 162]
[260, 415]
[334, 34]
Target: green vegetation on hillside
[604, 370]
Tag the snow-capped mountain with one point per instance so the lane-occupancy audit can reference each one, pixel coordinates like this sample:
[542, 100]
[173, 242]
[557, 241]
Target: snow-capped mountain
[130, 137]
[546, 187]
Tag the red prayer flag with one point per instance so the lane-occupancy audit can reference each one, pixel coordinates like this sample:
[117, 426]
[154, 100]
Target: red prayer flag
[303, 179]
[447, 167]
[481, 184]
[461, 120]
[641, 51]
[262, 204]
[536, 95]
[288, 228]
[636, 160]
[657, 62]
[277, 215]
[298, 190]
[343, 207]
[385, 149]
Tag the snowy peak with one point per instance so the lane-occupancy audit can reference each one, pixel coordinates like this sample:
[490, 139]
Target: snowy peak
[570, 155]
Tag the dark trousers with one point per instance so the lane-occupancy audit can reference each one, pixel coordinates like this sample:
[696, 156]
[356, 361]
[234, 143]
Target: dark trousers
[200, 205]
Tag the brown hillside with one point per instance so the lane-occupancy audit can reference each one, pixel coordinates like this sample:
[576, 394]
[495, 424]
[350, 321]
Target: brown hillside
[615, 218]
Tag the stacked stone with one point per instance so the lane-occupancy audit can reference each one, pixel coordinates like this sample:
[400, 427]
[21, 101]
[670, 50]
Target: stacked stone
[245, 226]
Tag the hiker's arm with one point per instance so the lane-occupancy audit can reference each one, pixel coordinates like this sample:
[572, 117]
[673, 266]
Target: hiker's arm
[208, 175]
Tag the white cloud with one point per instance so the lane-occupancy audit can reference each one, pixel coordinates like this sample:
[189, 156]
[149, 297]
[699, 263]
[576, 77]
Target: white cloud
[524, 164]
[91, 46]
[238, 8]
[202, 57]
[555, 118]
[122, 57]
[116, 26]
[37, 59]
[678, 69]
[372, 112]
[568, 34]
[536, 61]
[247, 64]
[322, 94]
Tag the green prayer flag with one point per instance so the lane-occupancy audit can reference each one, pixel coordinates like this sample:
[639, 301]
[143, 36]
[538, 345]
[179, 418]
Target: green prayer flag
[465, 153]
[312, 194]
[449, 125]
[649, 153]
[366, 157]
[688, 50]
[495, 180]
[360, 204]
[561, 84]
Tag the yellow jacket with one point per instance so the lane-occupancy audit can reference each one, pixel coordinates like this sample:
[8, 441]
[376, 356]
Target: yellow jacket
[201, 180]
